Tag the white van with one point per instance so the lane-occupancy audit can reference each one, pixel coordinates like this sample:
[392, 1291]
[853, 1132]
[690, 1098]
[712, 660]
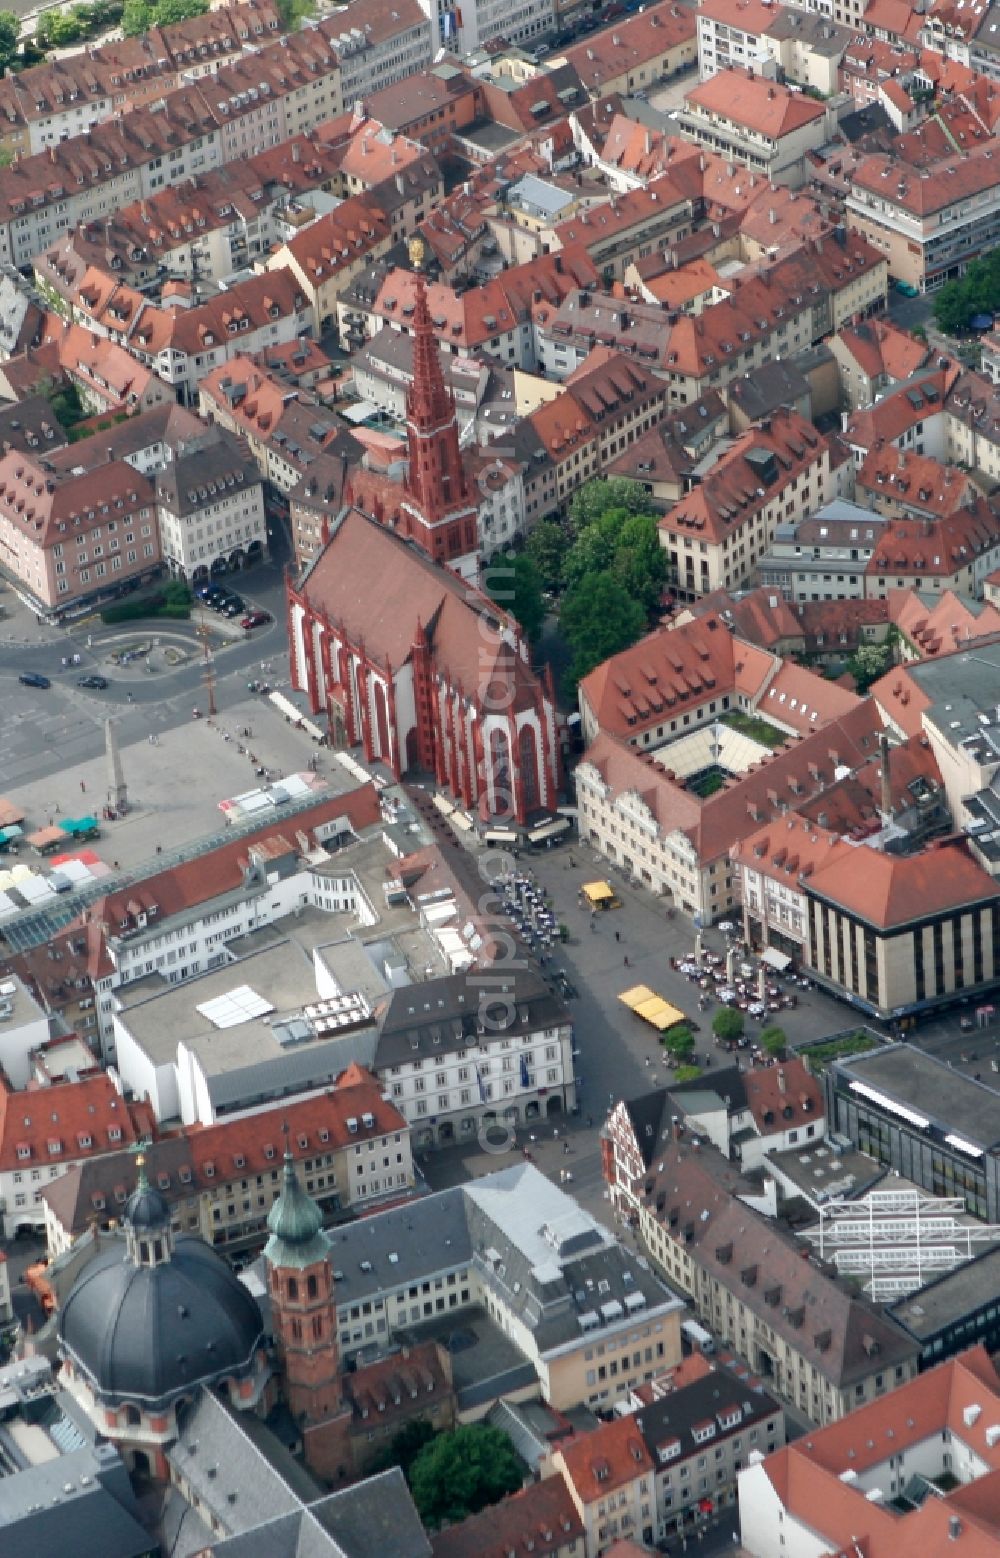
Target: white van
[697, 1337]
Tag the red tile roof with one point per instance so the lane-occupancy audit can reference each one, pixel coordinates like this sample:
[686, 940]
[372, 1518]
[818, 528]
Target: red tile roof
[670, 671]
[631, 42]
[63, 1123]
[788, 848]
[803, 769]
[221, 870]
[204, 1157]
[761, 106]
[609, 1457]
[947, 622]
[808, 1475]
[890, 891]
[783, 1097]
[952, 178]
[540, 1520]
[729, 495]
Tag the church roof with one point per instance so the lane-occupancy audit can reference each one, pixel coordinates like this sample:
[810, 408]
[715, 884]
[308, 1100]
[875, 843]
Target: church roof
[378, 588]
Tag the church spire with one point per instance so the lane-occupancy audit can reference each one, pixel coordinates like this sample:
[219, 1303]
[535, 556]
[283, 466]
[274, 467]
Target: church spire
[436, 485]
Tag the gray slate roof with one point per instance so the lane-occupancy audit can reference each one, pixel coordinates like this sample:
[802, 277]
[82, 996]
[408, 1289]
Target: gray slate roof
[374, 1519]
[446, 1014]
[235, 1481]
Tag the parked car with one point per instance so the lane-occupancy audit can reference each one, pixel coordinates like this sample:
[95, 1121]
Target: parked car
[256, 619]
[96, 683]
[233, 606]
[219, 602]
[33, 679]
[210, 592]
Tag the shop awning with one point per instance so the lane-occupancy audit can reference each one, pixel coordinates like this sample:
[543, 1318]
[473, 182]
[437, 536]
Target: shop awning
[598, 892]
[652, 1008]
[47, 838]
[444, 806]
[775, 959]
[549, 830]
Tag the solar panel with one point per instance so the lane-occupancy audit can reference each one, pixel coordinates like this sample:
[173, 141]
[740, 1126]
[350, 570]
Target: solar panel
[239, 1005]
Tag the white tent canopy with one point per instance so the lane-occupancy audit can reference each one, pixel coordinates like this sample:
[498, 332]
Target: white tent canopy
[775, 959]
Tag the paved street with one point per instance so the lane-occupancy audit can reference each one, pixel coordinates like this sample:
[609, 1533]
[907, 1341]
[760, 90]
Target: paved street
[43, 733]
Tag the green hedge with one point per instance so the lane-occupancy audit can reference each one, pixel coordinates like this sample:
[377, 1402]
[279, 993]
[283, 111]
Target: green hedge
[139, 610]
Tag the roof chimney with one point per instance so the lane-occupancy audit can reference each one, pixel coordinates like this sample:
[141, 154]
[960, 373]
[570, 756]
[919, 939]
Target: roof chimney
[782, 1084]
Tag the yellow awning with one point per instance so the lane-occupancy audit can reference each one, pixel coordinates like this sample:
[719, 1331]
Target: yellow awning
[634, 998]
[598, 892]
[652, 1008]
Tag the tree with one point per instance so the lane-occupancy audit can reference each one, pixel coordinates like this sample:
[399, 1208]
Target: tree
[679, 1043]
[727, 1024]
[595, 499]
[461, 1472]
[687, 1073]
[10, 31]
[640, 561]
[516, 585]
[773, 1041]
[404, 1447]
[546, 546]
[595, 548]
[168, 11]
[137, 18]
[869, 662]
[292, 13]
[598, 618]
[977, 292]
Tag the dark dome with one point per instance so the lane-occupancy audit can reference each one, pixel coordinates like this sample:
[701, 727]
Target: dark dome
[151, 1332]
[146, 1208]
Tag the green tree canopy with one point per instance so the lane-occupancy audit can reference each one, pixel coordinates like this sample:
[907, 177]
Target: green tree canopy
[592, 501]
[516, 584]
[10, 31]
[546, 546]
[679, 1042]
[773, 1041]
[641, 562]
[292, 12]
[459, 1473]
[139, 15]
[404, 1447]
[595, 547]
[869, 662]
[977, 292]
[727, 1024]
[598, 618]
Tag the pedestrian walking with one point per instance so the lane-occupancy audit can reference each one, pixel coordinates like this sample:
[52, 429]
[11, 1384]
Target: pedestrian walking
[618, 935]
[626, 960]
[83, 787]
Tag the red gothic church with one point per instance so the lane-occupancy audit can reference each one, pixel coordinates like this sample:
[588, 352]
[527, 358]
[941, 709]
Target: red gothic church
[424, 672]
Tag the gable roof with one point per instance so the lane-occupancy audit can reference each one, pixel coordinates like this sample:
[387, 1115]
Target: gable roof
[755, 104]
[609, 1457]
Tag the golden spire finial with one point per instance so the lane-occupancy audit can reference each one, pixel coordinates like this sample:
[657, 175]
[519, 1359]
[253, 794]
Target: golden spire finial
[417, 249]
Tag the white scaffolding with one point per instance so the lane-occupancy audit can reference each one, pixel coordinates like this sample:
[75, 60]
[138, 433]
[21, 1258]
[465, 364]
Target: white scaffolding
[898, 1240]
